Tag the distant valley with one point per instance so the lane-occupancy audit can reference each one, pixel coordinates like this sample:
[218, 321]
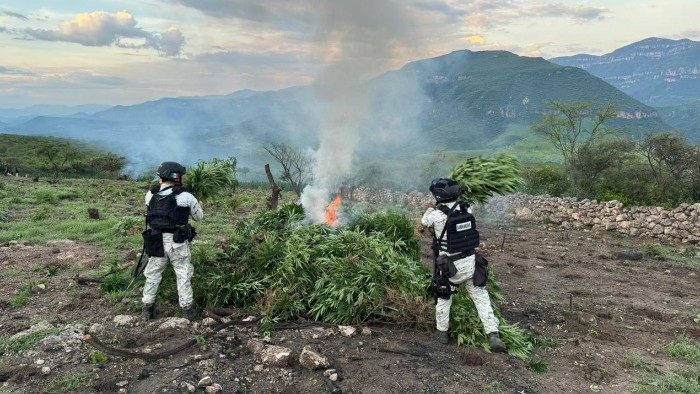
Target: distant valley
[465, 101]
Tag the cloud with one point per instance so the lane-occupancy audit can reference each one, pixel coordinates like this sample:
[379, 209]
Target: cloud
[475, 39]
[8, 70]
[13, 14]
[284, 14]
[450, 13]
[579, 13]
[104, 29]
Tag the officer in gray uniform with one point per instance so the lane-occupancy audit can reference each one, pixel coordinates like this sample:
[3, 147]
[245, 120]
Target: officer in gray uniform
[447, 193]
[169, 209]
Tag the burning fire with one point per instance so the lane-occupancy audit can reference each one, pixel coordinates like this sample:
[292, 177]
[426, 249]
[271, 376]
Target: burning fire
[332, 212]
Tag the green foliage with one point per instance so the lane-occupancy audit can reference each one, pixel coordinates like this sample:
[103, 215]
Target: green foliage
[486, 177]
[22, 298]
[97, 357]
[685, 382]
[545, 179]
[696, 319]
[538, 366]
[631, 360]
[686, 350]
[395, 226]
[69, 381]
[208, 179]
[656, 250]
[25, 342]
[31, 155]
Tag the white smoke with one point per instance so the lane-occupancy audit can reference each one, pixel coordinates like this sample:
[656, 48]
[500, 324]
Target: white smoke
[362, 35]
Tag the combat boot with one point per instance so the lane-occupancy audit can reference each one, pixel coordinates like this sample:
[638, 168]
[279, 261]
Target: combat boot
[495, 343]
[148, 312]
[189, 313]
[443, 337]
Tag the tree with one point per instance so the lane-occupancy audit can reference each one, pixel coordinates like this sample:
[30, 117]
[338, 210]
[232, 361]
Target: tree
[572, 125]
[295, 164]
[60, 157]
[592, 160]
[107, 163]
[670, 159]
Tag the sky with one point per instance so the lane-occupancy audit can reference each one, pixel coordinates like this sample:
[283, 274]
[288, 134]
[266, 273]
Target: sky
[127, 52]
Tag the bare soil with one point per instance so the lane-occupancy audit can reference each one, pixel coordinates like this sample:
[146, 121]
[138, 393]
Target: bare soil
[586, 290]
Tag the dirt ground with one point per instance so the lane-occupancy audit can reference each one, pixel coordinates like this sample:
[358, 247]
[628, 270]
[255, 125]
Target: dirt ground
[593, 293]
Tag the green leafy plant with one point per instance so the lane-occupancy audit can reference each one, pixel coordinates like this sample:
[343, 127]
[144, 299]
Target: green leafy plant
[486, 177]
[538, 366]
[685, 349]
[97, 357]
[210, 178]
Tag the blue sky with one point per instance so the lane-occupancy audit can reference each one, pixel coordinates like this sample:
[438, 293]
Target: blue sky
[126, 52]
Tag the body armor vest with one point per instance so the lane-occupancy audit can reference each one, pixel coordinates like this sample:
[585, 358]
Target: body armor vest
[164, 213]
[460, 229]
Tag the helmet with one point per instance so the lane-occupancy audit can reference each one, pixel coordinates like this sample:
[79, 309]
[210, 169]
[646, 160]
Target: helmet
[445, 189]
[171, 171]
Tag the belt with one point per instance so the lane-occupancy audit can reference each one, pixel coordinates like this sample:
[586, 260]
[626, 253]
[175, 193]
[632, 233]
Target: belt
[462, 255]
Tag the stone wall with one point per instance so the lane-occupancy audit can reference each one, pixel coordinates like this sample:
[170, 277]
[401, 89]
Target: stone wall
[681, 224]
[678, 225]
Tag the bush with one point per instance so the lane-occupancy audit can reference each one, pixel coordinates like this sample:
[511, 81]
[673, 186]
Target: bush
[545, 179]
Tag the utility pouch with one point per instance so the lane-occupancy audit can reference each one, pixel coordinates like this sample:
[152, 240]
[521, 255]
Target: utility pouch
[481, 271]
[441, 287]
[191, 233]
[184, 233]
[446, 266]
[153, 243]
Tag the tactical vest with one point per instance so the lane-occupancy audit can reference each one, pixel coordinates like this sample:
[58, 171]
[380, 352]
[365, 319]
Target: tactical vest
[163, 212]
[460, 229]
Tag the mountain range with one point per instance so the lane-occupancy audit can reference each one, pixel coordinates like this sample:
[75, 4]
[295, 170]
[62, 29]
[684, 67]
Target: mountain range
[659, 72]
[462, 101]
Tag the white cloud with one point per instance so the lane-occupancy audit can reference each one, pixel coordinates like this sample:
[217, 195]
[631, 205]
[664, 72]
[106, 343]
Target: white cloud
[101, 28]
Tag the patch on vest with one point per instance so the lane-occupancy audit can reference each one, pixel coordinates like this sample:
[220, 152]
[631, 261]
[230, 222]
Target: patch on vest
[463, 226]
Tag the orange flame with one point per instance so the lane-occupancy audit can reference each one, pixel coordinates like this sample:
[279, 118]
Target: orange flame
[332, 212]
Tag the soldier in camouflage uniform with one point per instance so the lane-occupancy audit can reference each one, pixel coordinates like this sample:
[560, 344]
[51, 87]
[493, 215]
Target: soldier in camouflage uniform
[447, 193]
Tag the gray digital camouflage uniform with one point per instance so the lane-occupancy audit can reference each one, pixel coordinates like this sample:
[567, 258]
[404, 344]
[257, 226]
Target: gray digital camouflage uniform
[436, 219]
[177, 253]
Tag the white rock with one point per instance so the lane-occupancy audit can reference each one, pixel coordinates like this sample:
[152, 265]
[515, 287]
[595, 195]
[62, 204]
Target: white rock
[347, 331]
[125, 320]
[213, 389]
[45, 370]
[205, 381]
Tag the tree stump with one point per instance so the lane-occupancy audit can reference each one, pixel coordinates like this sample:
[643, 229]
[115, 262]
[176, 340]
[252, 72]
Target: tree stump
[94, 213]
[274, 199]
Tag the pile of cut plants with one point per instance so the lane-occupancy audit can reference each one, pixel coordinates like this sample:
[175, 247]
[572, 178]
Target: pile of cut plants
[369, 270]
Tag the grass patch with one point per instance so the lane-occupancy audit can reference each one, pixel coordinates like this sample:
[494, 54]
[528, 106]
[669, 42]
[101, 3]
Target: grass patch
[25, 342]
[686, 382]
[687, 256]
[538, 366]
[22, 298]
[634, 361]
[493, 388]
[97, 357]
[68, 381]
[686, 350]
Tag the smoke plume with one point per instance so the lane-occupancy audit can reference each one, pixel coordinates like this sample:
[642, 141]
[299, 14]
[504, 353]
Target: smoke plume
[362, 36]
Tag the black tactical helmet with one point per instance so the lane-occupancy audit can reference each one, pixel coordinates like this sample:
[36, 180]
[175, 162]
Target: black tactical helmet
[445, 189]
[171, 171]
